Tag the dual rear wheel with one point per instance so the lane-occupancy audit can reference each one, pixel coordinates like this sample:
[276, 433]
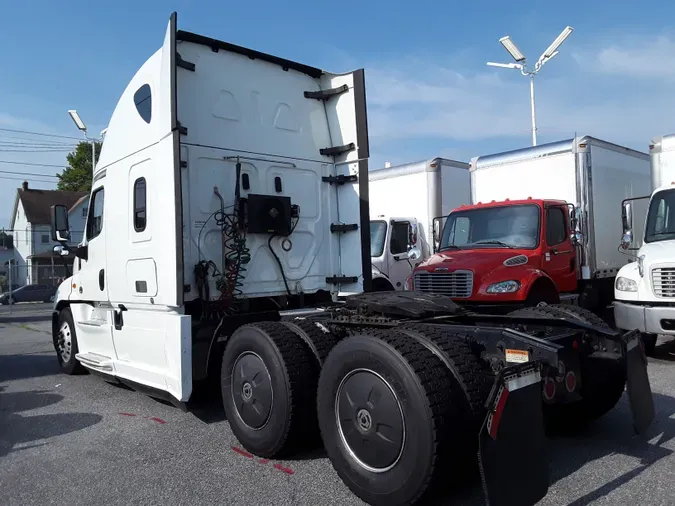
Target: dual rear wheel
[392, 408]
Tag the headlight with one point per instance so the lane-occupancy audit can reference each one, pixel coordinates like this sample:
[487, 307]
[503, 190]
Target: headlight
[625, 285]
[504, 287]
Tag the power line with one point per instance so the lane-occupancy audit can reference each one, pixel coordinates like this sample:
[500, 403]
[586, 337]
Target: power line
[34, 164]
[35, 144]
[34, 150]
[29, 179]
[28, 139]
[15, 173]
[41, 134]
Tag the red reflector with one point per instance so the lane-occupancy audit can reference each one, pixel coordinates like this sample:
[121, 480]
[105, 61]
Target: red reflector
[549, 389]
[575, 345]
[570, 381]
[497, 415]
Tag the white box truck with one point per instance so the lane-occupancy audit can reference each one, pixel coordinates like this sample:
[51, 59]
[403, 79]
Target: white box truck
[404, 201]
[542, 227]
[645, 288]
[228, 212]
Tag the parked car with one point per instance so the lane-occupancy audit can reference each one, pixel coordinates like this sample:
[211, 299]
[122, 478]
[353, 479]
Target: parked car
[29, 293]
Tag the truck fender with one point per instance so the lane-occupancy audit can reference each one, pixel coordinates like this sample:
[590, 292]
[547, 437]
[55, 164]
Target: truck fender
[539, 285]
[381, 282]
[210, 338]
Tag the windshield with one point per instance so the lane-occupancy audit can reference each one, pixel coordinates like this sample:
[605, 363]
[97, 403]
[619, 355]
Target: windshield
[660, 219]
[505, 227]
[378, 232]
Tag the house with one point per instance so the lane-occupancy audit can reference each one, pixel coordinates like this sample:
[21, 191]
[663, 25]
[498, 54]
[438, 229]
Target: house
[30, 222]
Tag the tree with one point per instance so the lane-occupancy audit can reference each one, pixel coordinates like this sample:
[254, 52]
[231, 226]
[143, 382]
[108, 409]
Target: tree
[78, 175]
[6, 240]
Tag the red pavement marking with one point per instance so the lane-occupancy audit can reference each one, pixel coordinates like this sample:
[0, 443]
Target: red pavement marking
[158, 420]
[127, 414]
[286, 470]
[242, 452]
[246, 454]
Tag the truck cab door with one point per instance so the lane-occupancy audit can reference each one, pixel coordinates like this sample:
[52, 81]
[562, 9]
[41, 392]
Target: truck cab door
[403, 235]
[560, 259]
[90, 304]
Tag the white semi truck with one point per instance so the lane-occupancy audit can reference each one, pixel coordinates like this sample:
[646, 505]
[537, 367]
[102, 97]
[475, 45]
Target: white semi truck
[404, 202]
[228, 239]
[645, 288]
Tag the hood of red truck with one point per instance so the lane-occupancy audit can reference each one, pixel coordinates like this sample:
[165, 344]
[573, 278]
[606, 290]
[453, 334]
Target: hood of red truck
[480, 261]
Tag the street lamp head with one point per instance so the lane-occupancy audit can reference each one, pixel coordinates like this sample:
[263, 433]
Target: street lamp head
[505, 65]
[512, 49]
[77, 120]
[553, 48]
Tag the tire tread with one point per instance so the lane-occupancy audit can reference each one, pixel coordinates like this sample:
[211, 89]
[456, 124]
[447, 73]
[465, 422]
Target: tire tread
[301, 376]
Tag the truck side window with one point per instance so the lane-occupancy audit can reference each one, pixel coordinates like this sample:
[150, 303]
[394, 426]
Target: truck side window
[556, 229]
[143, 101]
[95, 220]
[139, 205]
[399, 237]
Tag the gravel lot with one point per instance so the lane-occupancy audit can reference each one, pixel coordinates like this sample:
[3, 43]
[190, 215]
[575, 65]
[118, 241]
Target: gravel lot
[75, 440]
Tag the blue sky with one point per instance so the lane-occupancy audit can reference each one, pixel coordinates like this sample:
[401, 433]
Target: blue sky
[429, 92]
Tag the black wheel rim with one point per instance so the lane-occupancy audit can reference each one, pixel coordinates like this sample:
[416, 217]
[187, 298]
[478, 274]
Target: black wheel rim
[252, 390]
[370, 420]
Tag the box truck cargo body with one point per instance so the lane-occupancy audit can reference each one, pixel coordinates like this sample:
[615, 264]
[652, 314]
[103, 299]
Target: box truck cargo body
[572, 249]
[404, 201]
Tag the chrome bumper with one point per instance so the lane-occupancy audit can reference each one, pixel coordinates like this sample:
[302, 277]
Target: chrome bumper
[644, 318]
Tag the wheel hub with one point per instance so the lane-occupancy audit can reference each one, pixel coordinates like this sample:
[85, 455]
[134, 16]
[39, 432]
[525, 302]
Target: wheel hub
[370, 420]
[64, 342]
[364, 419]
[252, 390]
[247, 391]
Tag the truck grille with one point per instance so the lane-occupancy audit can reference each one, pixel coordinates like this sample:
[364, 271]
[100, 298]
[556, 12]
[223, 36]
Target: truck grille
[457, 284]
[663, 281]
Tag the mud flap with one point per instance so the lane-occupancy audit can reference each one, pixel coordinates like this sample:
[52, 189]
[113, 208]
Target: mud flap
[512, 445]
[637, 382]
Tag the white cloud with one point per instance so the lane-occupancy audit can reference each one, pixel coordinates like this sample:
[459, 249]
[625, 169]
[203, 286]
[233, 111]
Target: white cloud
[649, 58]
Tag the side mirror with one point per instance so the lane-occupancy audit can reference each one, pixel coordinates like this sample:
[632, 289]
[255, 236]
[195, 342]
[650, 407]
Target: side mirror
[414, 253]
[627, 239]
[59, 223]
[61, 251]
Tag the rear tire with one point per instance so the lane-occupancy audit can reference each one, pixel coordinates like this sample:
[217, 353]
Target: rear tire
[65, 344]
[603, 380]
[386, 417]
[268, 385]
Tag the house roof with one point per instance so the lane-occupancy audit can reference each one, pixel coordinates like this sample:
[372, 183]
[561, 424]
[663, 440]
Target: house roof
[78, 202]
[37, 203]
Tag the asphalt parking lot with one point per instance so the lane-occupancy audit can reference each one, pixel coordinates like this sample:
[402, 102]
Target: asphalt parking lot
[74, 440]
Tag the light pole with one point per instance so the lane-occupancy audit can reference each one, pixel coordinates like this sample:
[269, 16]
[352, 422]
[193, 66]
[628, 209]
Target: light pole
[82, 127]
[522, 66]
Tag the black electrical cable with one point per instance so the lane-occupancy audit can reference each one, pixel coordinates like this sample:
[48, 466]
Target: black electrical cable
[276, 257]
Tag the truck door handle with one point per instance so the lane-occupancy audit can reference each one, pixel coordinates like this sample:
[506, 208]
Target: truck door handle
[101, 282]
